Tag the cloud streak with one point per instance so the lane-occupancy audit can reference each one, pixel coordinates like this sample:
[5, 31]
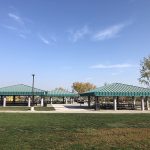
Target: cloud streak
[101, 66]
[110, 32]
[43, 39]
[9, 27]
[79, 34]
[22, 36]
[17, 25]
[16, 18]
[99, 35]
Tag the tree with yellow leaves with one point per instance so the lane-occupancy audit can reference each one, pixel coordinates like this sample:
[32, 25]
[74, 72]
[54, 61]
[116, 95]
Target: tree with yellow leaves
[82, 87]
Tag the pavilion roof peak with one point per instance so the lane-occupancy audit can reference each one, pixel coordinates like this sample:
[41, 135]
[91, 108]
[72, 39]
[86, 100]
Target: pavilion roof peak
[19, 85]
[119, 89]
[123, 84]
[20, 89]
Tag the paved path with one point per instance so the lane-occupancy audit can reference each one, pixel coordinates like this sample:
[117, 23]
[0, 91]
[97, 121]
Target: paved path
[76, 108]
[69, 108]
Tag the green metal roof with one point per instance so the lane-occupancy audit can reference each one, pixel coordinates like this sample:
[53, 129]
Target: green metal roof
[61, 93]
[118, 89]
[20, 90]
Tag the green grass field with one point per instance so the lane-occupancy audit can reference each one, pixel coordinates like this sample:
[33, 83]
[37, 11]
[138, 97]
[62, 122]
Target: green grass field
[74, 131]
[25, 108]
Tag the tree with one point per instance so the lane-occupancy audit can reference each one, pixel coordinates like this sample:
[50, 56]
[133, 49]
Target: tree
[82, 87]
[145, 71]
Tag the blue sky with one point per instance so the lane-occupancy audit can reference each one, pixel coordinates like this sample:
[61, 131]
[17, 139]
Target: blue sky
[64, 41]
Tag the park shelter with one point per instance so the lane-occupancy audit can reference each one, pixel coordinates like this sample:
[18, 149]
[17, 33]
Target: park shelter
[19, 90]
[65, 94]
[117, 90]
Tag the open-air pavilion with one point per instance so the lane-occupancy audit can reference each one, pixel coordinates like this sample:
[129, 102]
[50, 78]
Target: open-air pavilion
[114, 91]
[117, 90]
[61, 93]
[28, 93]
[20, 90]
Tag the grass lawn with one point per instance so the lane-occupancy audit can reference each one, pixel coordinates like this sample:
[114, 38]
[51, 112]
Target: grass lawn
[74, 131]
[25, 108]
[44, 108]
[14, 108]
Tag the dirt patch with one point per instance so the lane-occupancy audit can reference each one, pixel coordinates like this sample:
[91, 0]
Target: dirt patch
[116, 138]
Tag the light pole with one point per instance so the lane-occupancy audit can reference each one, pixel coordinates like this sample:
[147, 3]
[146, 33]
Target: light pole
[33, 89]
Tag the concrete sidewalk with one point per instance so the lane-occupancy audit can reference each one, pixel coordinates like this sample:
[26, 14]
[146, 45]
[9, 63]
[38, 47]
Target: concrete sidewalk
[76, 108]
[88, 111]
[69, 108]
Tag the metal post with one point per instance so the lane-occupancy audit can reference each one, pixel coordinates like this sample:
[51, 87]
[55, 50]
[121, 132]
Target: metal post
[33, 89]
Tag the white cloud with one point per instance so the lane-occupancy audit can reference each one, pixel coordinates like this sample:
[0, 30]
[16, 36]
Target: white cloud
[49, 40]
[101, 66]
[9, 27]
[43, 39]
[19, 32]
[22, 36]
[78, 34]
[16, 18]
[19, 28]
[110, 32]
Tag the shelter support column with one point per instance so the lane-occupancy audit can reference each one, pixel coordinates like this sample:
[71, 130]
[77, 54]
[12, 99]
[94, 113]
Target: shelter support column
[96, 103]
[1, 99]
[42, 102]
[115, 103]
[29, 102]
[66, 100]
[142, 104]
[117, 100]
[14, 99]
[134, 102]
[51, 100]
[89, 101]
[72, 99]
[4, 102]
[63, 100]
[147, 104]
